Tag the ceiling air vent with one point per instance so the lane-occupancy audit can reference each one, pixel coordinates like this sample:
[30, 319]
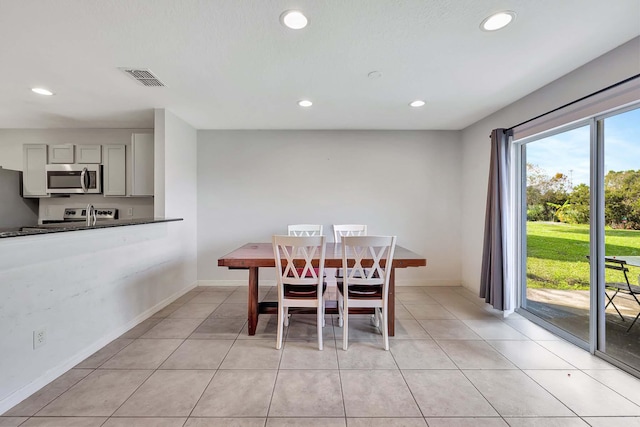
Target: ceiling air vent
[144, 76]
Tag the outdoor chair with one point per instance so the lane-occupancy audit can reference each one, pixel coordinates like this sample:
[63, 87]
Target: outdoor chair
[621, 287]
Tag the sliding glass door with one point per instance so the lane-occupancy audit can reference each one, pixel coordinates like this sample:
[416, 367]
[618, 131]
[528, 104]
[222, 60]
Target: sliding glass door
[621, 137]
[568, 175]
[557, 230]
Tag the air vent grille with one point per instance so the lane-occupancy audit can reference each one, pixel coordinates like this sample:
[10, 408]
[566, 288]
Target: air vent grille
[144, 76]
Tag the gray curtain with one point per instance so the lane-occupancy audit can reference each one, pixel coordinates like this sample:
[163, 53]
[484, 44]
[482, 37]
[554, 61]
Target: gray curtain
[492, 281]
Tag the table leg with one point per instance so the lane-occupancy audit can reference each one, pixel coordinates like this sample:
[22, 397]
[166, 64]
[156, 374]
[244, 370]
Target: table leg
[252, 303]
[392, 302]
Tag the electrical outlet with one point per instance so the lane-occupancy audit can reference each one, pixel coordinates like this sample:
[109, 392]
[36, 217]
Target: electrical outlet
[39, 338]
[130, 212]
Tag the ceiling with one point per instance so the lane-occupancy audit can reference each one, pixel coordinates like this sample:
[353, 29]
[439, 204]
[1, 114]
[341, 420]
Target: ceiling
[230, 64]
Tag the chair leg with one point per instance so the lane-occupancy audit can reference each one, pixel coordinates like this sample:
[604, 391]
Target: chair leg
[340, 310]
[323, 311]
[634, 322]
[280, 327]
[385, 326]
[375, 320]
[286, 316]
[638, 315]
[345, 327]
[614, 306]
[320, 317]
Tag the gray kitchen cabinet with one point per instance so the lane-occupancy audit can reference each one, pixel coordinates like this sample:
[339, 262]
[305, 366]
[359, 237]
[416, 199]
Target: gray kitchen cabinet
[114, 170]
[91, 154]
[142, 164]
[34, 178]
[61, 153]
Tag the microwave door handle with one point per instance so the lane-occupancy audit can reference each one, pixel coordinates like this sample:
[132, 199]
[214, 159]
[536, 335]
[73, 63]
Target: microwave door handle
[83, 178]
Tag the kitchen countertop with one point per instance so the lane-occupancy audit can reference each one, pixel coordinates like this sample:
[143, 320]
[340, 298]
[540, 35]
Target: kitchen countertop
[62, 227]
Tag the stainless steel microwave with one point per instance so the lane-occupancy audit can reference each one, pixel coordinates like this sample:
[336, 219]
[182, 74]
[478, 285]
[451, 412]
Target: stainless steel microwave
[74, 179]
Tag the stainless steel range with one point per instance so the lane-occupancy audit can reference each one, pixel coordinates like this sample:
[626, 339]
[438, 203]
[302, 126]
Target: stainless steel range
[80, 214]
[74, 217]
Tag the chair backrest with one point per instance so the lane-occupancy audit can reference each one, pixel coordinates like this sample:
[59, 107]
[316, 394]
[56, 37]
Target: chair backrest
[617, 264]
[373, 257]
[294, 257]
[340, 230]
[304, 230]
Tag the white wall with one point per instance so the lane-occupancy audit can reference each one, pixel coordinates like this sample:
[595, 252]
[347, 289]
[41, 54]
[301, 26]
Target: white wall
[66, 282]
[251, 184]
[176, 185]
[615, 66]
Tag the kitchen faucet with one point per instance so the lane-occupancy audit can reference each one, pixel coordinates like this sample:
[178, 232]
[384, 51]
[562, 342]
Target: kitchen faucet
[91, 215]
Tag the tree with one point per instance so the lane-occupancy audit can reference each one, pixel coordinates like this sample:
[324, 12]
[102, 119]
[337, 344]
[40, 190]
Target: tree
[545, 194]
[622, 199]
[579, 199]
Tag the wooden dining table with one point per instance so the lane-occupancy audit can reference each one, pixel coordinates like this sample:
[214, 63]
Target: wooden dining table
[253, 256]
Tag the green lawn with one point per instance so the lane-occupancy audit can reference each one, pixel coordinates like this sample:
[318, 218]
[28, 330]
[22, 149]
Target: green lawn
[556, 254]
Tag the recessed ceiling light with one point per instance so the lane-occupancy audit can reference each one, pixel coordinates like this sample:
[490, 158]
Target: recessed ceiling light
[417, 103]
[305, 103]
[374, 75]
[293, 19]
[42, 91]
[497, 20]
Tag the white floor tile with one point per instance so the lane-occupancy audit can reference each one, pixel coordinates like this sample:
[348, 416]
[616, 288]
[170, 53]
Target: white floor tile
[584, 395]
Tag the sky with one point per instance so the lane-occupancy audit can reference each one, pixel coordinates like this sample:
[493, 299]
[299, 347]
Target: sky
[568, 152]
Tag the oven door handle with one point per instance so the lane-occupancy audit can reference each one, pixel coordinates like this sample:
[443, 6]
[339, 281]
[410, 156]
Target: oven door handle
[83, 179]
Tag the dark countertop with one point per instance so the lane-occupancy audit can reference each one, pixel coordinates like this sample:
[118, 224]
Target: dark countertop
[62, 227]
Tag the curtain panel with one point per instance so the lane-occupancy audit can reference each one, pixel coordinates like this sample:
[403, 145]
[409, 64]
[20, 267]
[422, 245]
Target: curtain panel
[494, 281]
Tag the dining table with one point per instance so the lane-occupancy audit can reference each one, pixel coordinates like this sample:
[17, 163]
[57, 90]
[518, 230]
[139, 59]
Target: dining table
[253, 256]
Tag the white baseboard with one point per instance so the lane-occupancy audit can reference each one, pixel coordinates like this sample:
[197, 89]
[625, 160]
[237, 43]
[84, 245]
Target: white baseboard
[53, 373]
[428, 282]
[409, 282]
[219, 283]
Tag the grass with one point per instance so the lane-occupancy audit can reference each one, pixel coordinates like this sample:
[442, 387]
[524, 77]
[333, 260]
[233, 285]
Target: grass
[556, 254]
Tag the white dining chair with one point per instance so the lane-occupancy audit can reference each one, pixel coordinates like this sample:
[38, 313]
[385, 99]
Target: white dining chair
[340, 230]
[299, 283]
[366, 287]
[304, 230]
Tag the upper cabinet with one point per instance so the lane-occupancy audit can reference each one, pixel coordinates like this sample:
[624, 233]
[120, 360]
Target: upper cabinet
[34, 177]
[89, 154]
[127, 169]
[142, 164]
[114, 170]
[61, 153]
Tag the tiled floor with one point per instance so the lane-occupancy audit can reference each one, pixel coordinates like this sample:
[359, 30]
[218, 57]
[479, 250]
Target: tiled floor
[453, 362]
